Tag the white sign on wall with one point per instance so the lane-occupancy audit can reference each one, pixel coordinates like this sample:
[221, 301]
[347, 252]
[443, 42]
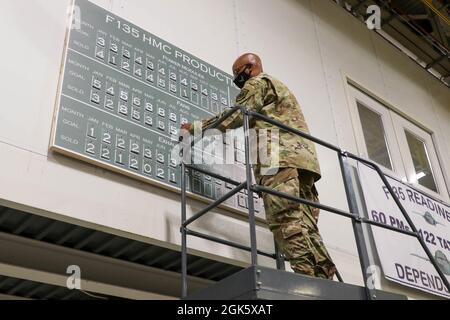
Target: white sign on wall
[402, 258]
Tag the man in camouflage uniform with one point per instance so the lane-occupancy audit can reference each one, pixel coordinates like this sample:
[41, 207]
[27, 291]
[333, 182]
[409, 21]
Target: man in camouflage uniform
[294, 225]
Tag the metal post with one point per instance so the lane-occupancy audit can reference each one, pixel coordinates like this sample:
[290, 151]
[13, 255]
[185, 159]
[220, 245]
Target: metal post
[183, 233]
[339, 277]
[280, 258]
[357, 224]
[251, 205]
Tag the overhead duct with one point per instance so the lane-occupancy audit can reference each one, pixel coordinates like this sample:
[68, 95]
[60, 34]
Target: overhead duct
[419, 28]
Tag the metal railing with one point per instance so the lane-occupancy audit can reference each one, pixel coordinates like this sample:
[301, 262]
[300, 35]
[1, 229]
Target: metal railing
[357, 219]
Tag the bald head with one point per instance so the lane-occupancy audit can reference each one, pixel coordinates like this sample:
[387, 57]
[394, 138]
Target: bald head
[249, 60]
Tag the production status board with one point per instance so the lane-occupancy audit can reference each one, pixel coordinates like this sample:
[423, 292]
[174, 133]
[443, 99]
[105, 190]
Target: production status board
[123, 96]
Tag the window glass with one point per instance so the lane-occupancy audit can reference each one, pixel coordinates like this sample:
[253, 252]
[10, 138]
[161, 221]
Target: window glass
[421, 161]
[374, 136]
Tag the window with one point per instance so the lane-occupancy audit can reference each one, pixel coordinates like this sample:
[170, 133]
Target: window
[401, 148]
[374, 136]
[421, 161]
[374, 131]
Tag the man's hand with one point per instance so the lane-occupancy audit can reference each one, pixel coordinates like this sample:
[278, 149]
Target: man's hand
[186, 126]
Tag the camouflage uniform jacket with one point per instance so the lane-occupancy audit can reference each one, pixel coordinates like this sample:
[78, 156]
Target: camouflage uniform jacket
[270, 97]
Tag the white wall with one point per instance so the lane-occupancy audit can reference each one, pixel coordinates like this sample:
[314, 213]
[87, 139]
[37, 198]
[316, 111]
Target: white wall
[310, 45]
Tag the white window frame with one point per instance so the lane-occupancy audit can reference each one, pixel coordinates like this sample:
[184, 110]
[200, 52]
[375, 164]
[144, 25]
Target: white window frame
[401, 124]
[390, 137]
[394, 125]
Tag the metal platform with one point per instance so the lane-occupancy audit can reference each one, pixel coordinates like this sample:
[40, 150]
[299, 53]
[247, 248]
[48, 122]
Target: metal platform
[260, 283]
[263, 283]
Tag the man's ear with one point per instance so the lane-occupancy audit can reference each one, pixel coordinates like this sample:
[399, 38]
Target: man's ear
[253, 71]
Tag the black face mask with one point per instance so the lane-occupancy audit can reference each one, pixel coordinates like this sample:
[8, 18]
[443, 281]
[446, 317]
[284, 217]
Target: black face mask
[241, 79]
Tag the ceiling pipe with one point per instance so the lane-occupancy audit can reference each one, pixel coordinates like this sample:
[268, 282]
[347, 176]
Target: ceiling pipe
[444, 51]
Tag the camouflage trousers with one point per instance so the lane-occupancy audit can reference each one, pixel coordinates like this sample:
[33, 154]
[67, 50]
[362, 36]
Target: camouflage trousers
[294, 225]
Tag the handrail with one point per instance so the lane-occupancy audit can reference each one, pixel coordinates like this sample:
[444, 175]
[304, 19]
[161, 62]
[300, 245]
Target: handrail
[228, 243]
[214, 175]
[357, 219]
[215, 124]
[294, 131]
[214, 204]
[261, 189]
